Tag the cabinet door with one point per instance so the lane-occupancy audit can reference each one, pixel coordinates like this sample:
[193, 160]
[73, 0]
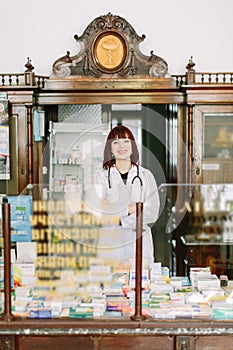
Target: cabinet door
[213, 144]
[76, 154]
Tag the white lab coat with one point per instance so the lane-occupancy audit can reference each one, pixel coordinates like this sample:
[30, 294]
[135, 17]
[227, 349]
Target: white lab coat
[116, 200]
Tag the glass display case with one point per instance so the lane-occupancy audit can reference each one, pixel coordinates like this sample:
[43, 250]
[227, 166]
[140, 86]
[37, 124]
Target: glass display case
[213, 134]
[60, 269]
[201, 222]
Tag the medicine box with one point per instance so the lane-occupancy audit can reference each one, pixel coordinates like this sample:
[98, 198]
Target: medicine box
[21, 233]
[21, 211]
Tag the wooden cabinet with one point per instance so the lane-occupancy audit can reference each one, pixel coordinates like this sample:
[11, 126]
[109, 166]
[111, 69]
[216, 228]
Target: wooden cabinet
[197, 146]
[213, 143]
[96, 342]
[178, 337]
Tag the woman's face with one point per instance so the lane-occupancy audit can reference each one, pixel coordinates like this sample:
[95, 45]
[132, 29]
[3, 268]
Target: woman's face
[121, 148]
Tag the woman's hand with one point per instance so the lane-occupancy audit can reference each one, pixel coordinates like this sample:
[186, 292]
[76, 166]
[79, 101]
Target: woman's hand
[132, 208]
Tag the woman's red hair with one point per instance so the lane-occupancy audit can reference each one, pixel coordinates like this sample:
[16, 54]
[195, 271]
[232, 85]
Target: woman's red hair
[119, 132]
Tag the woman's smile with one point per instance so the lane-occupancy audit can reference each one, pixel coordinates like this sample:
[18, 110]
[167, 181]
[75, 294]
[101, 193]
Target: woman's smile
[121, 147]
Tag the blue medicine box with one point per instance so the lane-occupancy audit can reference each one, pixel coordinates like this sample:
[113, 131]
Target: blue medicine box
[42, 313]
[21, 233]
[21, 211]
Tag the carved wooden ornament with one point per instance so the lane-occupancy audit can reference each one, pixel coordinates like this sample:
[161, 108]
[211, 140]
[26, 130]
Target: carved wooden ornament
[109, 46]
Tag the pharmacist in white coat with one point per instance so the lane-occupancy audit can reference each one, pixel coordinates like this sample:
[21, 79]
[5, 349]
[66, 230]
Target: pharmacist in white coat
[123, 183]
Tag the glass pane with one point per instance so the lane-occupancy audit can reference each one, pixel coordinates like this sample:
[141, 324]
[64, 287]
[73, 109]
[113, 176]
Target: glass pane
[218, 136]
[61, 269]
[4, 138]
[68, 260]
[203, 216]
[64, 246]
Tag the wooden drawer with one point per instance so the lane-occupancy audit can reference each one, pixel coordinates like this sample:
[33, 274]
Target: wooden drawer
[95, 343]
[212, 343]
[54, 343]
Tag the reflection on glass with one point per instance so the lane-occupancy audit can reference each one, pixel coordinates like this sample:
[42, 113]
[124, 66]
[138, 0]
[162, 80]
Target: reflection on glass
[218, 136]
[59, 269]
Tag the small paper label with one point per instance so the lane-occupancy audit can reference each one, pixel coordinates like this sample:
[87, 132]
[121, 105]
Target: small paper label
[213, 166]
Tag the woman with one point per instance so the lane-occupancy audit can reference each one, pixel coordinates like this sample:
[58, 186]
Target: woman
[124, 183]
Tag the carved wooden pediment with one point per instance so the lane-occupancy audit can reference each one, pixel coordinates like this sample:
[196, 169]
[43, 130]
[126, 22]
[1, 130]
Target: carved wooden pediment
[109, 47]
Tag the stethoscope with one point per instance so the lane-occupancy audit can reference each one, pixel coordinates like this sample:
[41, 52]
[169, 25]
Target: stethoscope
[135, 177]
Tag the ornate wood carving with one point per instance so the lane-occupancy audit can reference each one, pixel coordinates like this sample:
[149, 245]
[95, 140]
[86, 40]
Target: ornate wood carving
[109, 46]
[7, 342]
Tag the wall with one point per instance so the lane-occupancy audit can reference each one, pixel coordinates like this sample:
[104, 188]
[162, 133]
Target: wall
[175, 30]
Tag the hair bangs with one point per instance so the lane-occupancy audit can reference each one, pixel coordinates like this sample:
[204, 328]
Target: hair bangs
[120, 132]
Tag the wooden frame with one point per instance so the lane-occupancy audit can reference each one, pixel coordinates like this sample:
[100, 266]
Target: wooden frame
[109, 52]
[83, 79]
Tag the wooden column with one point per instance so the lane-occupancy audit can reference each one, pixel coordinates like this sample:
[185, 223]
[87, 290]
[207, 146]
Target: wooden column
[190, 145]
[7, 315]
[30, 143]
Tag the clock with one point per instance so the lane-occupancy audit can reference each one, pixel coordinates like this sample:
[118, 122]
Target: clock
[109, 52]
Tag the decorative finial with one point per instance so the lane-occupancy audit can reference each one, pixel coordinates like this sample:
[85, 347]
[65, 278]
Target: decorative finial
[29, 65]
[190, 64]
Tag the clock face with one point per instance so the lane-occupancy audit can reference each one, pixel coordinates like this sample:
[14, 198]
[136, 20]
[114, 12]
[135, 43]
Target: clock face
[109, 52]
